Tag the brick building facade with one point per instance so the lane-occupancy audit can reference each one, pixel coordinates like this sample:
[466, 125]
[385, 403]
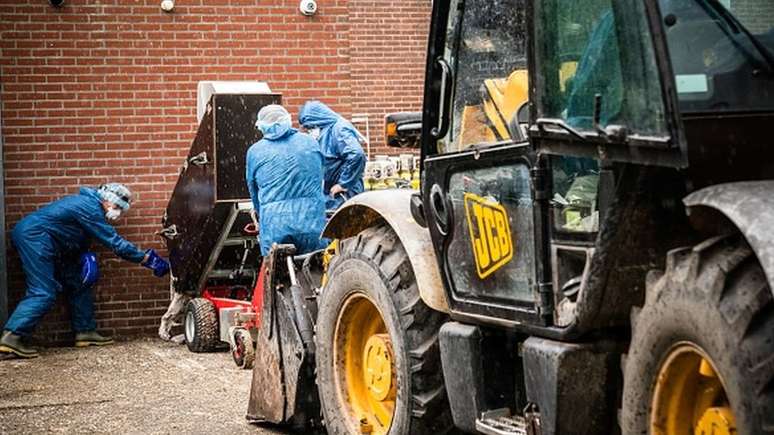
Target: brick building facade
[98, 91]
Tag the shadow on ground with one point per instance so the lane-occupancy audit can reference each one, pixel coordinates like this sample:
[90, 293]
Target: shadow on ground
[142, 386]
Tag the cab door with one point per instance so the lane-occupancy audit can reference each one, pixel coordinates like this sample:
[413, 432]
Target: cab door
[477, 192]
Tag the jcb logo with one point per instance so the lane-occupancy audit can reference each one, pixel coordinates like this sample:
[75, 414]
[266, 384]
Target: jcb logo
[490, 234]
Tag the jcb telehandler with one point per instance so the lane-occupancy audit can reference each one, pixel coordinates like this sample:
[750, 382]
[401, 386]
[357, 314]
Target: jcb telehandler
[610, 273]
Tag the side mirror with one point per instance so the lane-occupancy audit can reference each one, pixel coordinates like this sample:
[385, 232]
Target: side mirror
[403, 129]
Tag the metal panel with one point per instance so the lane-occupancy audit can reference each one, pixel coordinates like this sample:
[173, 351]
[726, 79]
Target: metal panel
[573, 385]
[235, 131]
[212, 180]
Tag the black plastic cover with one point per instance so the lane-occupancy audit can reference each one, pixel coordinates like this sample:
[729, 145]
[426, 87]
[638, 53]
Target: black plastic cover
[574, 385]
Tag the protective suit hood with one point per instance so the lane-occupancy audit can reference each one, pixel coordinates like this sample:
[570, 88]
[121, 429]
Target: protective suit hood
[274, 122]
[317, 114]
[89, 191]
[340, 144]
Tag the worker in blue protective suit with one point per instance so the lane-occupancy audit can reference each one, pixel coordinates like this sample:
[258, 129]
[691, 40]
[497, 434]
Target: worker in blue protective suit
[53, 244]
[285, 177]
[340, 143]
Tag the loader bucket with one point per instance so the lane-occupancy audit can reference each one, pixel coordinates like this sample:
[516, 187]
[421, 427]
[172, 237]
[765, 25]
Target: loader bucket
[283, 389]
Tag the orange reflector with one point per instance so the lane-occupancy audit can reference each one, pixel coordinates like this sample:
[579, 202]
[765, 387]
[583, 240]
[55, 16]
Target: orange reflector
[391, 129]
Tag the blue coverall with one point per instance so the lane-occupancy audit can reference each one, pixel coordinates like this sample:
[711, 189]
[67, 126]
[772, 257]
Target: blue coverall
[50, 241]
[344, 157]
[284, 177]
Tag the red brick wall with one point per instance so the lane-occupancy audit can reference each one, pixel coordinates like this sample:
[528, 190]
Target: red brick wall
[95, 92]
[388, 43]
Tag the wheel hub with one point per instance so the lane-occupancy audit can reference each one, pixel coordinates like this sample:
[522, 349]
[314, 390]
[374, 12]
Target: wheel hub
[716, 421]
[378, 366]
[189, 326]
[689, 396]
[365, 369]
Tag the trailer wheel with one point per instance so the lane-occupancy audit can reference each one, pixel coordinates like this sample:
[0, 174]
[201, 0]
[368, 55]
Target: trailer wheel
[378, 358]
[201, 326]
[243, 350]
[701, 358]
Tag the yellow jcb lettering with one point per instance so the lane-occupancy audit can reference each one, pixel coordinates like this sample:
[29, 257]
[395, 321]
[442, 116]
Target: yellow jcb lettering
[481, 249]
[502, 235]
[489, 221]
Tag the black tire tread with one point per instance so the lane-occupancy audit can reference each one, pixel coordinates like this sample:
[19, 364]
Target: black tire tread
[722, 278]
[206, 334]
[380, 246]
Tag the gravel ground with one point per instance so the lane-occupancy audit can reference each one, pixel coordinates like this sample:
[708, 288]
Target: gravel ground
[137, 387]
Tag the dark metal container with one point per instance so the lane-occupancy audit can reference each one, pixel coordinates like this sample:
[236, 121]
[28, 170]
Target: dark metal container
[212, 181]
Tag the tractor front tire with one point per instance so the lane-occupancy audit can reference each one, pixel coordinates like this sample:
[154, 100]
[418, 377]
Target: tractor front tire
[378, 357]
[702, 351]
[201, 326]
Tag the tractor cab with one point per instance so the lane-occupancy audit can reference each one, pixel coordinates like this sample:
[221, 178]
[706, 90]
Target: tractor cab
[519, 219]
[632, 105]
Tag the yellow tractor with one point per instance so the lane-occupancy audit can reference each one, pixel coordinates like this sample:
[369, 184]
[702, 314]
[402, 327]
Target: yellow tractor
[610, 271]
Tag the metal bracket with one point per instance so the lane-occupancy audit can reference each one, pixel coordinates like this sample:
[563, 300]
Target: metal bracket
[199, 159]
[532, 418]
[545, 299]
[169, 233]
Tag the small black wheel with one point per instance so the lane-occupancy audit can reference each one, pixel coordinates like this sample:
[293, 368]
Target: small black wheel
[201, 326]
[243, 350]
[701, 355]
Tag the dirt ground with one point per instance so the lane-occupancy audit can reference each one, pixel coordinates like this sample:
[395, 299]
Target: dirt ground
[135, 387]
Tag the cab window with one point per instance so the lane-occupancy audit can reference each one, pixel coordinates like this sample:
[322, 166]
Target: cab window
[722, 53]
[574, 205]
[595, 62]
[486, 51]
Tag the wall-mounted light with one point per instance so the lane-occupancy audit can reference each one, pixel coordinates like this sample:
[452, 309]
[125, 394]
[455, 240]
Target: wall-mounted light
[308, 7]
[167, 5]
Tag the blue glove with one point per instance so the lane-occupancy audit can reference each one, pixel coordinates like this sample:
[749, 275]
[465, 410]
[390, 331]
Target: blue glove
[158, 265]
[89, 269]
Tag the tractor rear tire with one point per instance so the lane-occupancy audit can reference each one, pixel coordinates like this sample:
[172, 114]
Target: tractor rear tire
[712, 305]
[373, 278]
[201, 326]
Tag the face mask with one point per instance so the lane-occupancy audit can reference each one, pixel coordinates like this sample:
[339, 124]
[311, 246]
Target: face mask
[113, 214]
[314, 132]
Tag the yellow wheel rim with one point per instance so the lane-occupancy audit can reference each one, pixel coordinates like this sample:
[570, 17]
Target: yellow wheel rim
[364, 371]
[689, 397]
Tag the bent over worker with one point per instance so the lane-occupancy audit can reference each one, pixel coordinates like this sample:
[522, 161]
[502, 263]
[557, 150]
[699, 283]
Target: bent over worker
[284, 176]
[53, 244]
[340, 144]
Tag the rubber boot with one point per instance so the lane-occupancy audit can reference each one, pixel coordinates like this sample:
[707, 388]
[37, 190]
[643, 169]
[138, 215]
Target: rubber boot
[12, 343]
[91, 338]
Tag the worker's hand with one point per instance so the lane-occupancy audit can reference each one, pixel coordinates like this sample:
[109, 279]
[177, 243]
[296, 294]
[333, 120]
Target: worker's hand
[154, 262]
[336, 189]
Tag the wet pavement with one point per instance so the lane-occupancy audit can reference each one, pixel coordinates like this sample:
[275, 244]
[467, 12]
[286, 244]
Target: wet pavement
[137, 387]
